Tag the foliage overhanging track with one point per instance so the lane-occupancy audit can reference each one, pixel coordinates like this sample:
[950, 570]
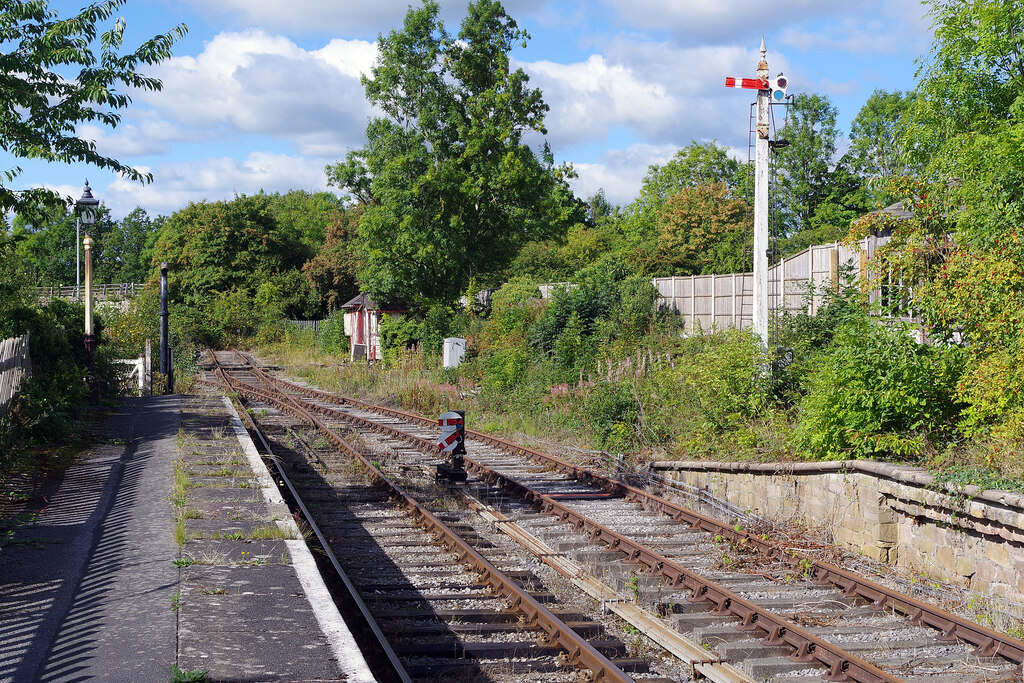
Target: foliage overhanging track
[777, 630]
[534, 614]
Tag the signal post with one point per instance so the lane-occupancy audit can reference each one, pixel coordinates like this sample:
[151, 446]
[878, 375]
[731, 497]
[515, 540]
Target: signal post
[768, 90]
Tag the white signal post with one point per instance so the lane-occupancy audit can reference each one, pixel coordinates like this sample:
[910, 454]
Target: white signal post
[761, 152]
[765, 92]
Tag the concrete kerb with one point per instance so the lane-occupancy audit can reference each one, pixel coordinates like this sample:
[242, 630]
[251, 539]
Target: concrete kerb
[351, 662]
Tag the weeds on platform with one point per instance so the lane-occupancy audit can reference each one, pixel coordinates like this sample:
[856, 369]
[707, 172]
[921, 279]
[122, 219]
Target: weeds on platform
[191, 676]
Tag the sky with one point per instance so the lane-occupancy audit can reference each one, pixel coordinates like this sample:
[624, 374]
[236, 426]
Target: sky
[262, 94]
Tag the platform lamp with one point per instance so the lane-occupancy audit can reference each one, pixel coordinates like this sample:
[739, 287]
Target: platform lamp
[87, 218]
[86, 207]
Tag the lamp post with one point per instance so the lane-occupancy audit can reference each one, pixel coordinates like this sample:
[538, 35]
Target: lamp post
[86, 206]
[90, 337]
[87, 218]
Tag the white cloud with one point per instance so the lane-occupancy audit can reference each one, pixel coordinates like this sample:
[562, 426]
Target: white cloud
[589, 98]
[351, 16]
[256, 83]
[214, 179]
[620, 171]
[146, 135]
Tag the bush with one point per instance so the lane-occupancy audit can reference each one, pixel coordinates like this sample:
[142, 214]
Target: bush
[332, 338]
[441, 322]
[50, 401]
[876, 391]
[611, 412]
[506, 369]
[397, 334]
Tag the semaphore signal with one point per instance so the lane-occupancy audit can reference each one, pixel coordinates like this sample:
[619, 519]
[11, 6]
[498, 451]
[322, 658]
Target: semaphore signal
[768, 90]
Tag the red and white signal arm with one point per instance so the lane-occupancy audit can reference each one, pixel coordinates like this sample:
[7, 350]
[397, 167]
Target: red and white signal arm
[748, 83]
[449, 423]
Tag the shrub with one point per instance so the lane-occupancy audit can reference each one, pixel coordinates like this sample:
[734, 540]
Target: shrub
[332, 338]
[506, 369]
[441, 322]
[714, 386]
[51, 399]
[611, 412]
[397, 333]
[876, 391]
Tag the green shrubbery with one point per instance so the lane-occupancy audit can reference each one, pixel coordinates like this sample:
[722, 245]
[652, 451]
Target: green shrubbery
[50, 401]
[332, 338]
[875, 391]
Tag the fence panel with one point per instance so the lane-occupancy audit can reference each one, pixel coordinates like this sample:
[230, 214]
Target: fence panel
[720, 301]
[306, 325]
[15, 366]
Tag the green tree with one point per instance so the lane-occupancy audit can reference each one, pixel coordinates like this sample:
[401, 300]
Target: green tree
[122, 249]
[224, 256]
[599, 208]
[702, 230]
[696, 164]
[452, 191]
[332, 271]
[46, 243]
[962, 247]
[877, 135]
[306, 215]
[806, 164]
[42, 104]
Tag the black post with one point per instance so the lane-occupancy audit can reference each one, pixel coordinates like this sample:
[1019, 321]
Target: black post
[165, 356]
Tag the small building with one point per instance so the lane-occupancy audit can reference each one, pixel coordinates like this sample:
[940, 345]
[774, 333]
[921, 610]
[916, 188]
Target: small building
[362, 325]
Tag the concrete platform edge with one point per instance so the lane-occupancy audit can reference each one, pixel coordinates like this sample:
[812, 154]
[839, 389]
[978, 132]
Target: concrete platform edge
[351, 662]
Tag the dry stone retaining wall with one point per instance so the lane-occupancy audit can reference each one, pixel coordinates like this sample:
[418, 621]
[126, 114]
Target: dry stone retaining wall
[895, 514]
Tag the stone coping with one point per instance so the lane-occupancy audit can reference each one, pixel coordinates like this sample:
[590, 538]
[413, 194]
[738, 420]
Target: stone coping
[903, 474]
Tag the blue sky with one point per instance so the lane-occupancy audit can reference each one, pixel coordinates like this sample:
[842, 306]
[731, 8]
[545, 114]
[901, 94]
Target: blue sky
[263, 93]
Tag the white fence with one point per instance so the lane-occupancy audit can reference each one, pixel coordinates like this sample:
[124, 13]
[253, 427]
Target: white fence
[710, 302]
[15, 366]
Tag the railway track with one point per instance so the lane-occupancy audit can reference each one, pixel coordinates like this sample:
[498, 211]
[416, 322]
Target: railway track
[672, 571]
[437, 602]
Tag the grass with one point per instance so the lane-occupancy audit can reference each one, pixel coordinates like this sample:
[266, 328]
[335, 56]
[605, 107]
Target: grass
[180, 533]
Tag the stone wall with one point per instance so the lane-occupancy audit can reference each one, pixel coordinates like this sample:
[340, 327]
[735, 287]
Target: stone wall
[899, 515]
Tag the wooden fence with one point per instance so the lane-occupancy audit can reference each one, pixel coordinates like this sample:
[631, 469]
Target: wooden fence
[15, 366]
[796, 283]
[100, 292]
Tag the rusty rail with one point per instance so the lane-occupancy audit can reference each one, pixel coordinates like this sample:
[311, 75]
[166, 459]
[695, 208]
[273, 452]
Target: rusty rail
[987, 642]
[557, 633]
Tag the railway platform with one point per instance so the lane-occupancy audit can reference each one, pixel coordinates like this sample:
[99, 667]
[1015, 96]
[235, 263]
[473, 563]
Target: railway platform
[167, 545]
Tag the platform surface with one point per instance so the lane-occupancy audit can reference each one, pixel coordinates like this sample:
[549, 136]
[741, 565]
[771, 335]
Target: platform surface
[160, 548]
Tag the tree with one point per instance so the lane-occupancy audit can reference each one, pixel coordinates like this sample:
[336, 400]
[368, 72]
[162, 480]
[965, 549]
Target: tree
[41, 108]
[962, 247]
[451, 190]
[599, 208]
[231, 268]
[702, 230]
[969, 115]
[332, 271]
[306, 215]
[806, 164]
[47, 243]
[694, 165]
[122, 250]
[877, 135]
